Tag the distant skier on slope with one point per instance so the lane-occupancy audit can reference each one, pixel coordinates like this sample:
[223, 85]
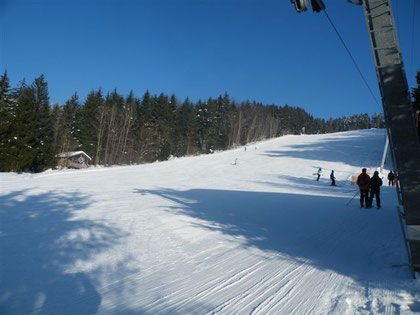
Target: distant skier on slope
[332, 177]
[319, 173]
[363, 181]
[375, 189]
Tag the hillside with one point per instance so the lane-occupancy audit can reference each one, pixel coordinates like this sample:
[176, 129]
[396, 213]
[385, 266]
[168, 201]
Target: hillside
[246, 231]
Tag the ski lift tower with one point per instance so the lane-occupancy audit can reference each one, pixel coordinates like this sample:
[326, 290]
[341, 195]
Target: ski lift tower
[398, 113]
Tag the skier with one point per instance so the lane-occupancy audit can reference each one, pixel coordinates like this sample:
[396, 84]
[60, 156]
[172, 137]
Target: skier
[363, 181]
[391, 179]
[319, 173]
[375, 188]
[332, 177]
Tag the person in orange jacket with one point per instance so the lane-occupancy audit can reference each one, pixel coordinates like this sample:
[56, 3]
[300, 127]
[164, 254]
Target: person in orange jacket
[363, 181]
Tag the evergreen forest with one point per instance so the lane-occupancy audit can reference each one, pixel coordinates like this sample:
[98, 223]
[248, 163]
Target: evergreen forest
[117, 129]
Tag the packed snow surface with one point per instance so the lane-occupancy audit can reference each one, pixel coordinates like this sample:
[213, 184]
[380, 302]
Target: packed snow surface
[246, 231]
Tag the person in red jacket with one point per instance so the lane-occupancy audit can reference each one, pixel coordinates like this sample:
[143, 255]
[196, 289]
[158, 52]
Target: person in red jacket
[363, 181]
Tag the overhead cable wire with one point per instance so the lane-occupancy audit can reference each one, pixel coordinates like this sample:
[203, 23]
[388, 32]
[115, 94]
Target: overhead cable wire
[352, 59]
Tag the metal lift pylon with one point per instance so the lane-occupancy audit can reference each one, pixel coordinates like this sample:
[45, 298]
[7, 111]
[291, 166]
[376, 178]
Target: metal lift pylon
[399, 119]
[398, 113]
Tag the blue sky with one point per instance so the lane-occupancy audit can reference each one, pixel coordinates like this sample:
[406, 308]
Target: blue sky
[253, 49]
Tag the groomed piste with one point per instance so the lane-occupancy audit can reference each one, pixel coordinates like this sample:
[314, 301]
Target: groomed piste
[235, 232]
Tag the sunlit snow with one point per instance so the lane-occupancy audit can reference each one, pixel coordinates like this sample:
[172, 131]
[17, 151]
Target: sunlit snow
[236, 232]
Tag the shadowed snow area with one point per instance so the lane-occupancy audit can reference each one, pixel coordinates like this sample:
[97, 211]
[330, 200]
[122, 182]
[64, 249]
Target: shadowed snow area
[236, 232]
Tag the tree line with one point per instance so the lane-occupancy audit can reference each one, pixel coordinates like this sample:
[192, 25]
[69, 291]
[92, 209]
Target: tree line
[116, 130]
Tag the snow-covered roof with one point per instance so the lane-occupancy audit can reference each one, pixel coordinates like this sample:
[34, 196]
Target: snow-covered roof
[73, 153]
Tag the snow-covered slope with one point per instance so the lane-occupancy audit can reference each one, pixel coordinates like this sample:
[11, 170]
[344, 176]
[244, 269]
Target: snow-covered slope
[237, 232]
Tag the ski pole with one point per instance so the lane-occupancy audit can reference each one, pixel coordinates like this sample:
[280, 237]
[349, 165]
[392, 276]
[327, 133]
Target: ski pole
[352, 198]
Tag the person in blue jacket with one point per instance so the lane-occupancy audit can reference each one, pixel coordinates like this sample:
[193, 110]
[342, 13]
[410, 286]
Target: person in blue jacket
[332, 177]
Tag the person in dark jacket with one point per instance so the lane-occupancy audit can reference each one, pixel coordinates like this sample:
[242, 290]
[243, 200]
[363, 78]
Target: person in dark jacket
[391, 178]
[375, 189]
[332, 177]
[363, 181]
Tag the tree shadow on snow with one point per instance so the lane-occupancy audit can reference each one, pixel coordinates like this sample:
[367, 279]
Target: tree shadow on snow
[310, 184]
[337, 149]
[39, 238]
[315, 230]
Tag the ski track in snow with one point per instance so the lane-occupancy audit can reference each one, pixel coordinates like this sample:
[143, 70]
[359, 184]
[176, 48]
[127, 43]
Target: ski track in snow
[199, 235]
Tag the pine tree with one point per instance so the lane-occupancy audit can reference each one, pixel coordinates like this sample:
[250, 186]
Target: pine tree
[186, 129]
[164, 116]
[30, 141]
[23, 142]
[203, 121]
[7, 107]
[43, 126]
[220, 123]
[170, 123]
[90, 124]
[148, 145]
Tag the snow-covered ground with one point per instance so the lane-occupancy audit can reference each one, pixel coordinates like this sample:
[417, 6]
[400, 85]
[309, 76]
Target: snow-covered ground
[202, 235]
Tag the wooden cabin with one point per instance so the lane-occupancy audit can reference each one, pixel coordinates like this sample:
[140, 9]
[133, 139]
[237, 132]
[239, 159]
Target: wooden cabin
[76, 159]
